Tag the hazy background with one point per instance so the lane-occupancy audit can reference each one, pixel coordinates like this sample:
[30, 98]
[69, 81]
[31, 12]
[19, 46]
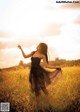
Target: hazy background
[29, 22]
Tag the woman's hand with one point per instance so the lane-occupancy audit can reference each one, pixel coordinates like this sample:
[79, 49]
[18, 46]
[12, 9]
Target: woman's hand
[58, 68]
[19, 47]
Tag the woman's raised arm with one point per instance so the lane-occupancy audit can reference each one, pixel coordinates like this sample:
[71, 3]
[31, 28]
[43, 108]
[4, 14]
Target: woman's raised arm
[24, 55]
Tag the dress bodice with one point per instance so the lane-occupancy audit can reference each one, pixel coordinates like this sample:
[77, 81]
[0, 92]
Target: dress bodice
[35, 61]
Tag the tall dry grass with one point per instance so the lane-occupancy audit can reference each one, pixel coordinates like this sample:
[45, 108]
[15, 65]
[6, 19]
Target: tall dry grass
[15, 88]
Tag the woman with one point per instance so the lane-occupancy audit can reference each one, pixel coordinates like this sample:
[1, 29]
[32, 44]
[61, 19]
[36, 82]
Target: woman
[39, 78]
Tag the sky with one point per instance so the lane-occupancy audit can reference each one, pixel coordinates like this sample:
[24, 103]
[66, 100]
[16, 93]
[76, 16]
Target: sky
[29, 22]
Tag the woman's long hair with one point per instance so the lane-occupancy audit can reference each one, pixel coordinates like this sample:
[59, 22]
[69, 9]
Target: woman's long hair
[44, 50]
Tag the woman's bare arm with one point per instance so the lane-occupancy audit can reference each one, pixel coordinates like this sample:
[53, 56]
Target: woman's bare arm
[24, 55]
[46, 64]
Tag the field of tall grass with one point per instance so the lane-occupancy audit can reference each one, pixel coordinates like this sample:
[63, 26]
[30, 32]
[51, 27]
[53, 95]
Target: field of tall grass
[65, 94]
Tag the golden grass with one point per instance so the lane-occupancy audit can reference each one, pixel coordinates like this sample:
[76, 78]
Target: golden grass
[15, 88]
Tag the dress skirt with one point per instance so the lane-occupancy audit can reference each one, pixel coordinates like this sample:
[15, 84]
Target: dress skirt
[40, 78]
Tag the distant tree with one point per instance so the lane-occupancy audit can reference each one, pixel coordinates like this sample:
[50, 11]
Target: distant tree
[21, 63]
[57, 59]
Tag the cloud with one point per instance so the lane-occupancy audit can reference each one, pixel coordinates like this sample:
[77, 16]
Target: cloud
[5, 34]
[63, 47]
[71, 5]
[52, 54]
[23, 41]
[52, 29]
[77, 21]
[28, 42]
[9, 57]
[7, 43]
[2, 45]
[53, 5]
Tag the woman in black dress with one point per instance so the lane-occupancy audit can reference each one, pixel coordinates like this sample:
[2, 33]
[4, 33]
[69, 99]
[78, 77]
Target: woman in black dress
[40, 78]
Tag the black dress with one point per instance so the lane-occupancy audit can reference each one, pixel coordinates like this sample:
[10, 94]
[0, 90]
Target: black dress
[39, 77]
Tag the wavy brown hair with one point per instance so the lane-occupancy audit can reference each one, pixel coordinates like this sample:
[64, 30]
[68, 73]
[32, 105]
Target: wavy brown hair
[44, 50]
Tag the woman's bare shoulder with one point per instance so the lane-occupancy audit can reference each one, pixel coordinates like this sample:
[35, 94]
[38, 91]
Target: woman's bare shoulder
[42, 56]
